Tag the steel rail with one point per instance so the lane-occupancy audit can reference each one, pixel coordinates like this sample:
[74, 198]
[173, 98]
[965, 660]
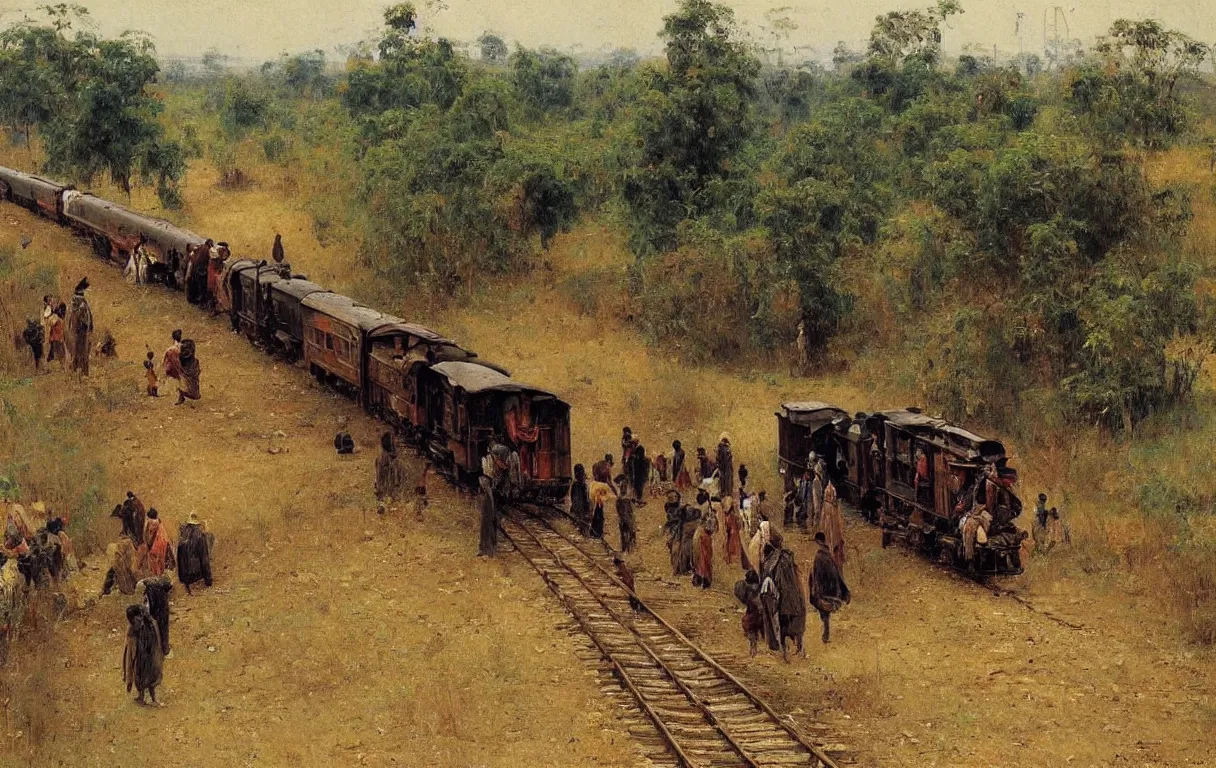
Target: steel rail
[793, 732]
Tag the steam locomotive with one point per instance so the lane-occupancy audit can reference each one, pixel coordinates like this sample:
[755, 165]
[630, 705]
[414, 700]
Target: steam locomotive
[429, 389]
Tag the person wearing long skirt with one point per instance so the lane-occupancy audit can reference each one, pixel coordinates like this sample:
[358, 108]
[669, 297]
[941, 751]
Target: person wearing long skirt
[626, 522]
[831, 523]
[488, 511]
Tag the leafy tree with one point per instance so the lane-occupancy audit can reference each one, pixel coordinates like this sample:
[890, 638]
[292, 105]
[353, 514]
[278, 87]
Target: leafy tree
[88, 98]
[829, 201]
[901, 35]
[543, 79]
[244, 107]
[304, 74]
[492, 48]
[1133, 88]
[690, 125]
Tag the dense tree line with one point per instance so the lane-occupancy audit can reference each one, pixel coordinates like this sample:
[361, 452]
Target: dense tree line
[991, 220]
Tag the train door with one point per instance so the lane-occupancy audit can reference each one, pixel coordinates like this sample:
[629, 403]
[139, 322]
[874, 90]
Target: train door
[545, 453]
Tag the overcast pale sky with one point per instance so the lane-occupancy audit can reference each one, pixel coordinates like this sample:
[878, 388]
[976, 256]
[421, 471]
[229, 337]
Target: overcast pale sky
[261, 29]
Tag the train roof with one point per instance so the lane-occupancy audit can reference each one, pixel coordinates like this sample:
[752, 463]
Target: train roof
[298, 288]
[345, 309]
[135, 218]
[811, 413]
[950, 435]
[395, 326]
[14, 173]
[475, 377]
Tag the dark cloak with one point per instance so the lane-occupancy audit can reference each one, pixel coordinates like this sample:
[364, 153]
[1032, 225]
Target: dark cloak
[628, 525]
[791, 605]
[193, 555]
[142, 658]
[488, 510]
[726, 470]
[828, 590]
[190, 372]
[157, 590]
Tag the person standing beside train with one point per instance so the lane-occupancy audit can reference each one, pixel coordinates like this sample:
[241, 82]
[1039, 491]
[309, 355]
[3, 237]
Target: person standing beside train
[81, 325]
[487, 507]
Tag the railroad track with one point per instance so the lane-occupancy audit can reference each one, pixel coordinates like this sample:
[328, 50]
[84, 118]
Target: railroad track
[706, 717]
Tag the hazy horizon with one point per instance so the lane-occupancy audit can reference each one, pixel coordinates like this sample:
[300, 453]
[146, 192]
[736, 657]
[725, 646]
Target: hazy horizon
[254, 29]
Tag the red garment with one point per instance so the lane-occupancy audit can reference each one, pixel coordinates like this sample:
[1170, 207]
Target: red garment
[173, 361]
[734, 545]
[214, 267]
[519, 429]
[683, 481]
[158, 548]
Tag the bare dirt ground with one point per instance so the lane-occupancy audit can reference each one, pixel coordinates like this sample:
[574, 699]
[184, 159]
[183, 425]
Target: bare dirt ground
[331, 645]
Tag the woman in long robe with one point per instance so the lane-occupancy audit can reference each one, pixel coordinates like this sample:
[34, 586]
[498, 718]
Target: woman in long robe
[390, 474]
[832, 525]
[703, 552]
[142, 657]
[747, 591]
[487, 509]
[779, 564]
[156, 595]
[733, 525]
[81, 325]
[600, 493]
[188, 385]
[126, 568]
[755, 549]
[156, 541]
[194, 553]
[626, 522]
[673, 527]
[679, 472]
[690, 524]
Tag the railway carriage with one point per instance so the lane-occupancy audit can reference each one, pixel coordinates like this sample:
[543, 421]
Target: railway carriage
[116, 231]
[284, 328]
[397, 353]
[335, 338]
[933, 473]
[249, 303]
[915, 475]
[803, 427]
[33, 192]
[468, 406]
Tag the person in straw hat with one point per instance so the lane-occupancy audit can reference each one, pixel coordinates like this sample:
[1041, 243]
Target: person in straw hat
[194, 553]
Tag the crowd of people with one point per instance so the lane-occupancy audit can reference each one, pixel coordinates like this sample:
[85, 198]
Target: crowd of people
[709, 501]
[62, 334]
[60, 328]
[37, 554]
[139, 562]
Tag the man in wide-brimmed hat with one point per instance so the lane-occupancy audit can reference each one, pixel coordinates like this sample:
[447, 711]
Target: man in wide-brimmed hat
[194, 553]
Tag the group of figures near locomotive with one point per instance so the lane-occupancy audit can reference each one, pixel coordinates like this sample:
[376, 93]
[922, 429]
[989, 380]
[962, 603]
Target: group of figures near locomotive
[933, 485]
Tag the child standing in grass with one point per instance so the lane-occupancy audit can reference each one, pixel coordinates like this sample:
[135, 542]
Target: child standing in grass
[150, 375]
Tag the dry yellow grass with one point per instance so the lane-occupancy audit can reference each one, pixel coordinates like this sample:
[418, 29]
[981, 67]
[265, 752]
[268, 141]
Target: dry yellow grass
[332, 636]
[969, 676]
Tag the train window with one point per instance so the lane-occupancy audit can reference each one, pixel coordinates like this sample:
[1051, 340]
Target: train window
[329, 341]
